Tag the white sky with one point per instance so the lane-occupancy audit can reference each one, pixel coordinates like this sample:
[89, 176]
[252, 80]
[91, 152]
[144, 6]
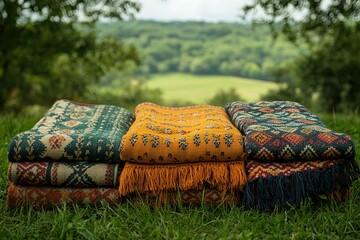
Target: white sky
[199, 10]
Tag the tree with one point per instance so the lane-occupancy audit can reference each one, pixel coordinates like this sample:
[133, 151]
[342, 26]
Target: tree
[333, 71]
[301, 19]
[331, 29]
[189, 47]
[235, 68]
[225, 96]
[49, 49]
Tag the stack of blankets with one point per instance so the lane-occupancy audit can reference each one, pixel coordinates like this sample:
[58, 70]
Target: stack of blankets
[183, 155]
[261, 155]
[291, 154]
[70, 156]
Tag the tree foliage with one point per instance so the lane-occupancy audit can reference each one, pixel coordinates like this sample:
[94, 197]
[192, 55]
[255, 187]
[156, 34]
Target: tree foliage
[301, 19]
[203, 48]
[330, 71]
[49, 49]
[225, 96]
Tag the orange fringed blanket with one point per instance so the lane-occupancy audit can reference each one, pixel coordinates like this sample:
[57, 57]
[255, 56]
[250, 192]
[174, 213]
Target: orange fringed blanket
[169, 149]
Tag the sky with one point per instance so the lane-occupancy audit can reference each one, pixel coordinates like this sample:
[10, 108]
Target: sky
[185, 10]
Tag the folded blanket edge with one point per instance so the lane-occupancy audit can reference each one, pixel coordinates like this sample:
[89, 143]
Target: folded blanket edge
[52, 197]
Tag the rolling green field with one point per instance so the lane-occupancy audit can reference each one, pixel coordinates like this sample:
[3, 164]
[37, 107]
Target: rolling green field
[323, 220]
[198, 89]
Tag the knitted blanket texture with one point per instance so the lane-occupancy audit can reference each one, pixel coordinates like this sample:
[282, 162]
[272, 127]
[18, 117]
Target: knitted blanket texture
[72, 131]
[191, 197]
[65, 174]
[163, 135]
[52, 197]
[284, 131]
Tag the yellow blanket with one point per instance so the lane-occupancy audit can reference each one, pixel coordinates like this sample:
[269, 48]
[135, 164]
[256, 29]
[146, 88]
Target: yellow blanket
[163, 135]
[187, 148]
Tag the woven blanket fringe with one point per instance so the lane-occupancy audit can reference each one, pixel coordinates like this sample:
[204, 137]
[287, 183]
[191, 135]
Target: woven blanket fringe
[156, 180]
[283, 191]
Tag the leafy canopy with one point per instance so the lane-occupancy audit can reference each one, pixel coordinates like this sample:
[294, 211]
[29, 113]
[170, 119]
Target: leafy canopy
[329, 72]
[49, 49]
[301, 19]
[202, 48]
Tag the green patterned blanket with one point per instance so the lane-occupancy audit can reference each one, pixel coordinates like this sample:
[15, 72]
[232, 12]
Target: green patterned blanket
[72, 131]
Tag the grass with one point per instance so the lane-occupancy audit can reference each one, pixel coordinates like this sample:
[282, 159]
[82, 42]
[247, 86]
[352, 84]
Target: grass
[198, 89]
[324, 220]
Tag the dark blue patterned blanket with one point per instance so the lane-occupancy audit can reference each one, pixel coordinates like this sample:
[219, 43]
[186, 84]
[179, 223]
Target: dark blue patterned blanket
[286, 131]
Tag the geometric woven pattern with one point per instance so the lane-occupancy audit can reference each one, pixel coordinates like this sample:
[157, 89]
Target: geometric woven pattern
[192, 197]
[258, 170]
[50, 197]
[163, 135]
[72, 131]
[67, 174]
[286, 131]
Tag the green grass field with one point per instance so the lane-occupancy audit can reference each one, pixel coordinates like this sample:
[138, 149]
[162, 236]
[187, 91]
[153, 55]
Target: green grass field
[198, 89]
[325, 220]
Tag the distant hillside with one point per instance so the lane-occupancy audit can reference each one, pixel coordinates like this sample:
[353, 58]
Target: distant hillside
[204, 48]
[194, 89]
